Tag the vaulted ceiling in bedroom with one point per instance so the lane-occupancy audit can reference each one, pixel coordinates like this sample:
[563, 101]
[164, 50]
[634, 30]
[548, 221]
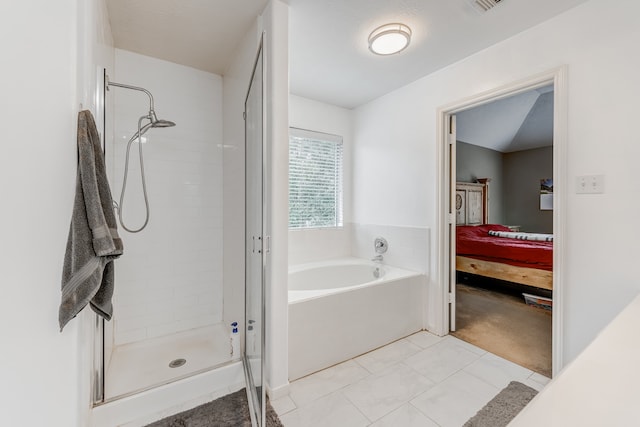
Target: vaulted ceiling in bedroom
[519, 122]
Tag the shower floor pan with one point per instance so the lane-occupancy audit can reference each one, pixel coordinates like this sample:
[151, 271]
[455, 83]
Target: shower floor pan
[142, 365]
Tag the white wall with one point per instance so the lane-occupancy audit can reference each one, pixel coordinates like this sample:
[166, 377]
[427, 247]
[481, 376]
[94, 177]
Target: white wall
[308, 245]
[96, 54]
[169, 278]
[44, 379]
[408, 246]
[275, 24]
[397, 133]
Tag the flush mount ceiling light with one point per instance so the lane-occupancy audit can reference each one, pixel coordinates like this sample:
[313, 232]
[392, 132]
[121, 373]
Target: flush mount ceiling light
[389, 39]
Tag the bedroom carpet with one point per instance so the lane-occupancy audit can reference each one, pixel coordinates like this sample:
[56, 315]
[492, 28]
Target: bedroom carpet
[231, 410]
[503, 407]
[504, 325]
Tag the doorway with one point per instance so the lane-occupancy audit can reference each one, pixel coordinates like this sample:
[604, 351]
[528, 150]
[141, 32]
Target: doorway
[504, 151]
[447, 197]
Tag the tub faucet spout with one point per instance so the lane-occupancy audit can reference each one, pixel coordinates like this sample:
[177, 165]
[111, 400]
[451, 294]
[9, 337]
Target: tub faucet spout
[377, 258]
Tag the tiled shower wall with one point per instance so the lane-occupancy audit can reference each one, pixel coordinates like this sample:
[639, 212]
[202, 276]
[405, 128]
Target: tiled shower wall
[169, 278]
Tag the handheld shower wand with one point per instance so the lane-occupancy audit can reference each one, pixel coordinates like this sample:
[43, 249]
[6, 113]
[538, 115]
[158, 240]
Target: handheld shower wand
[154, 122]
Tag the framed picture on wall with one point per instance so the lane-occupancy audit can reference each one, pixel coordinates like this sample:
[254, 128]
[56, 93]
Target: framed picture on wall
[546, 194]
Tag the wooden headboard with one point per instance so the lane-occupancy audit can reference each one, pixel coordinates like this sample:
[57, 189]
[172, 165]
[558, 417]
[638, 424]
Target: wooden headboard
[472, 202]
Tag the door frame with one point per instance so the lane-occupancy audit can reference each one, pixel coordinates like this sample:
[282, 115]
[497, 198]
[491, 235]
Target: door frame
[441, 292]
[257, 402]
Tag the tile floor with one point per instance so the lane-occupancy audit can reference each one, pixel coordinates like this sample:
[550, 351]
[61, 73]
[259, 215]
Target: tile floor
[422, 380]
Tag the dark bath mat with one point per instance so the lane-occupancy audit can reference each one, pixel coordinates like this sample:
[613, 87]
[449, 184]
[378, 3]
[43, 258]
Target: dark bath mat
[231, 410]
[503, 407]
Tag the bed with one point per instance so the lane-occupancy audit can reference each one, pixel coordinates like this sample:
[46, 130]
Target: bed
[515, 260]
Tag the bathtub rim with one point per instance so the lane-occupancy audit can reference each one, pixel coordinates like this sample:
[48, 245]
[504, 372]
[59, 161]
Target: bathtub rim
[300, 296]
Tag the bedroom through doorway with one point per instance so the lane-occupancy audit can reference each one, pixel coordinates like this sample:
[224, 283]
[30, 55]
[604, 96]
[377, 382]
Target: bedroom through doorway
[502, 170]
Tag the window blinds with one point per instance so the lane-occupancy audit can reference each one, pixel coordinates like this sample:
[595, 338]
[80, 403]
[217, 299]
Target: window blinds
[315, 179]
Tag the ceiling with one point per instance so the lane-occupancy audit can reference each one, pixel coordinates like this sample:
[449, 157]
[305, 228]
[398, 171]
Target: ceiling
[202, 34]
[329, 56]
[519, 122]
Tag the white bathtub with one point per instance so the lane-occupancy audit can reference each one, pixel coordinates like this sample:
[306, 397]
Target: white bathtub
[339, 310]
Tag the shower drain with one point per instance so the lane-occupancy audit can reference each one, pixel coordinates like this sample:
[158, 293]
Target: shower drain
[177, 363]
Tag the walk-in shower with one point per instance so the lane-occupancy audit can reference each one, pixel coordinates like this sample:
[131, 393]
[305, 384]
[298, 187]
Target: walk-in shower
[169, 320]
[154, 122]
[167, 346]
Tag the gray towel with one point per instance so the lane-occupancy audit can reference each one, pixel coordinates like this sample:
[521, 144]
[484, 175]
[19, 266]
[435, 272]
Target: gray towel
[93, 243]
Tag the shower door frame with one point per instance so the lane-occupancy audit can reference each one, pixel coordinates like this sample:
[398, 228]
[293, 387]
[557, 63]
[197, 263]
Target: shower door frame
[257, 413]
[98, 368]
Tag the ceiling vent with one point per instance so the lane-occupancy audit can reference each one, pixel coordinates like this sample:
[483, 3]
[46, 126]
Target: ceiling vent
[484, 5]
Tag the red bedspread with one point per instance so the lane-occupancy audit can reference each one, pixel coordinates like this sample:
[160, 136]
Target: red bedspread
[475, 242]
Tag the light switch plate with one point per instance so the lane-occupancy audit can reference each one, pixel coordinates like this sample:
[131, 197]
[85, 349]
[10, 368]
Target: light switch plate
[590, 184]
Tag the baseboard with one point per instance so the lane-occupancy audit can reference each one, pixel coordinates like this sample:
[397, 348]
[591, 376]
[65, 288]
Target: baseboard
[278, 392]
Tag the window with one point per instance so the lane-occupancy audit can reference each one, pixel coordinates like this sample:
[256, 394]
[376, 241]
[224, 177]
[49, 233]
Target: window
[315, 179]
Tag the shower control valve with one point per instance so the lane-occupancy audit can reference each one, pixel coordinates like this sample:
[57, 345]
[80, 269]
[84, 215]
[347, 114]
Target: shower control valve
[380, 244]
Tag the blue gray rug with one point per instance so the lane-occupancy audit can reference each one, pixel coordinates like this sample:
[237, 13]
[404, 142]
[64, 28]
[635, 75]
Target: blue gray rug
[503, 407]
[231, 410]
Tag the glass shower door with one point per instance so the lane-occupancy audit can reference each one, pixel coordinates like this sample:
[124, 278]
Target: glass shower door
[253, 357]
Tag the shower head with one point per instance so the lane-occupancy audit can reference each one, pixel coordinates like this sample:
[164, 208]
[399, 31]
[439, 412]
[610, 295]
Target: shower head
[159, 123]
[154, 123]
[162, 124]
